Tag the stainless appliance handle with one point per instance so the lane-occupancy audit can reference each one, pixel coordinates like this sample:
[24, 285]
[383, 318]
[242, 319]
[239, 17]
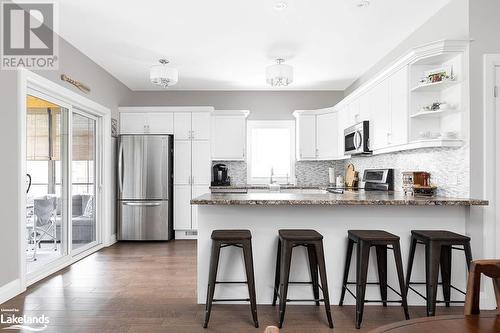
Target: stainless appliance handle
[357, 139]
[120, 167]
[149, 204]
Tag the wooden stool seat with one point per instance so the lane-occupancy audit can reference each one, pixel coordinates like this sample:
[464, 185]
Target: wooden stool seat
[300, 235]
[438, 250]
[381, 240]
[313, 241]
[371, 235]
[241, 239]
[231, 235]
[439, 235]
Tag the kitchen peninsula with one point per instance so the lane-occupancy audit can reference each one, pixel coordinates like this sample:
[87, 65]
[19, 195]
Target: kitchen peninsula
[331, 215]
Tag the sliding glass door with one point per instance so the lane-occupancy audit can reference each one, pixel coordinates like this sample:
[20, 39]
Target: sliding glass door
[62, 165]
[83, 182]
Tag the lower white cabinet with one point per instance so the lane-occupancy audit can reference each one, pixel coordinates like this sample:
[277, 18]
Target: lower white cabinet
[182, 207]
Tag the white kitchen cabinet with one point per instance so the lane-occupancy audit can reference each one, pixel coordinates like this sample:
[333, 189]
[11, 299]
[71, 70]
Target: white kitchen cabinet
[327, 136]
[182, 126]
[146, 123]
[379, 119]
[229, 136]
[200, 163]
[182, 207]
[182, 162]
[160, 123]
[200, 125]
[306, 137]
[197, 190]
[398, 106]
[342, 125]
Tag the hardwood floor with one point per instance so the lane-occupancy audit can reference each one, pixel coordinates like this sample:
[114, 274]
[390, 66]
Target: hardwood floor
[151, 287]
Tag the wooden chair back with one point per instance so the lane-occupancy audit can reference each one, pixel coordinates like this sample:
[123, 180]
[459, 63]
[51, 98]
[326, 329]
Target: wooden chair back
[490, 268]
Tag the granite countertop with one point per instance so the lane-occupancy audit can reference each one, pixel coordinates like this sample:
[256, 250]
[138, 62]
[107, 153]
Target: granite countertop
[265, 187]
[348, 198]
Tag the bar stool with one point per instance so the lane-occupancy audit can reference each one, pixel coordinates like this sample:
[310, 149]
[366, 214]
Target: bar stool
[438, 246]
[241, 239]
[313, 241]
[365, 239]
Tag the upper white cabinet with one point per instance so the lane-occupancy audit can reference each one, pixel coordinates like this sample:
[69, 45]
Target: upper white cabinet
[146, 123]
[200, 125]
[182, 126]
[317, 135]
[229, 135]
[398, 106]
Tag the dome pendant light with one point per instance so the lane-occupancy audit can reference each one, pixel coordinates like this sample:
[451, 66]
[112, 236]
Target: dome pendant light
[163, 76]
[279, 74]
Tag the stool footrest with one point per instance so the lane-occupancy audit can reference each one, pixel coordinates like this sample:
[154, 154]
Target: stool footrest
[439, 283]
[374, 283]
[306, 300]
[231, 300]
[231, 282]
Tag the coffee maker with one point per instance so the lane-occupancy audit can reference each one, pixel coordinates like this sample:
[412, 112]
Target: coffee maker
[220, 177]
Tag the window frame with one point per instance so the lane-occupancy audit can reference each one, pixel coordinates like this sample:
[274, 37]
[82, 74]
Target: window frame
[288, 124]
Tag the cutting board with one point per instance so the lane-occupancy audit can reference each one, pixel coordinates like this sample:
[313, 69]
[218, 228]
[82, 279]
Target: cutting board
[351, 176]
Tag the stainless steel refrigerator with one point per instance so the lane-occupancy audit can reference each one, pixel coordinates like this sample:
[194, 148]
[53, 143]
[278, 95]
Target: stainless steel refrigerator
[145, 187]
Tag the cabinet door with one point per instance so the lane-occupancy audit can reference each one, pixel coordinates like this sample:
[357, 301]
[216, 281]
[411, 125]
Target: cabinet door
[306, 137]
[327, 136]
[228, 138]
[182, 207]
[200, 125]
[182, 125]
[161, 123]
[398, 85]
[133, 123]
[379, 119]
[182, 162]
[197, 191]
[342, 125]
[201, 162]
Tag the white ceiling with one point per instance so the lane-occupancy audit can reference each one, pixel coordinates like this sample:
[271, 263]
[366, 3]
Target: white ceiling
[226, 44]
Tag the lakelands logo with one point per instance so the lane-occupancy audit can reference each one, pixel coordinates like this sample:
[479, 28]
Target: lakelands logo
[29, 36]
[24, 322]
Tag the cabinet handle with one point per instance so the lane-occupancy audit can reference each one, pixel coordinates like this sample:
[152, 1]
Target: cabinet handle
[192, 134]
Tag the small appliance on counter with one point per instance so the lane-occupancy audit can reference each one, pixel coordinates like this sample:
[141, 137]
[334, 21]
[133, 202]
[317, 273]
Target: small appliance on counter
[378, 179]
[418, 183]
[219, 175]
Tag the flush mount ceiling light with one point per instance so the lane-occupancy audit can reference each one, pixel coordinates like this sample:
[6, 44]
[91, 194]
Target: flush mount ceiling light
[163, 76]
[279, 74]
[362, 3]
[280, 5]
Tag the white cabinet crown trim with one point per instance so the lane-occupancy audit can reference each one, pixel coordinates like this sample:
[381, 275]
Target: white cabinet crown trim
[166, 109]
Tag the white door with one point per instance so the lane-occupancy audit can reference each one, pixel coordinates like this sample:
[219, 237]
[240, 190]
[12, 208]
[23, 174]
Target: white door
[182, 207]
[200, 125]
[379, 119]
[197, 191]
[201, 162]
[398, 85]
[228, 138]
[182, 162]
[326, 136]
[133, 123]
[161, 123]
[306, 137]
[182, 125]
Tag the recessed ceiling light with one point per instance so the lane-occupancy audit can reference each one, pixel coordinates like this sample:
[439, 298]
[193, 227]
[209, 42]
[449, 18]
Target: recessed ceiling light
[280, 5]
[363, 3]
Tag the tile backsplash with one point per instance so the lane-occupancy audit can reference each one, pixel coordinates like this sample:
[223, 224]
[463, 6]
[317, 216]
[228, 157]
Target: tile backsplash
[449, 168]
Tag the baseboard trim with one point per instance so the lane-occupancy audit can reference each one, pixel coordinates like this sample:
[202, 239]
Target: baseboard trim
[10, 290]
[186, 234]
[112, 240]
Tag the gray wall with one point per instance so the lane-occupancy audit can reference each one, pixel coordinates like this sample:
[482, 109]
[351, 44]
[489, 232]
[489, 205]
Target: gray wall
[451, 22]
[263, 105]
[106, 90]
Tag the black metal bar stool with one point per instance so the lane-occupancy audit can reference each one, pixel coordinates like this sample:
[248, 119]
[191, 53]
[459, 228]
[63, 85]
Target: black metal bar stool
[438, 247]
[365, 239]
[241, 239]
[313, 241]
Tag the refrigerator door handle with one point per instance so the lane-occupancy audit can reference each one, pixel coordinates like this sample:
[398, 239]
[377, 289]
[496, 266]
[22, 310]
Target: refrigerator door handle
[149, 204]
[120, 167]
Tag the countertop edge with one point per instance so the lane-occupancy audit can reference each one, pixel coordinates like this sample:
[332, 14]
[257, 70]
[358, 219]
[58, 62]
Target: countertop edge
[265, 202]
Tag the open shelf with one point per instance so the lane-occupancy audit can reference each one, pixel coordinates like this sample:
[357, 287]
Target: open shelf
[430, 114]
[435, 86]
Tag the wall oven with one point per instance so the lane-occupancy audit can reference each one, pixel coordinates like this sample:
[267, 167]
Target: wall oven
[356, 139]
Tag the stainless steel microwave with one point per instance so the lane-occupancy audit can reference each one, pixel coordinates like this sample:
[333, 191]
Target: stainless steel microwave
[357, 139]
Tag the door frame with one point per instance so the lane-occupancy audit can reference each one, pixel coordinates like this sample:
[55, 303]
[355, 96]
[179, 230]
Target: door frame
[27, 80]
[491, 157]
